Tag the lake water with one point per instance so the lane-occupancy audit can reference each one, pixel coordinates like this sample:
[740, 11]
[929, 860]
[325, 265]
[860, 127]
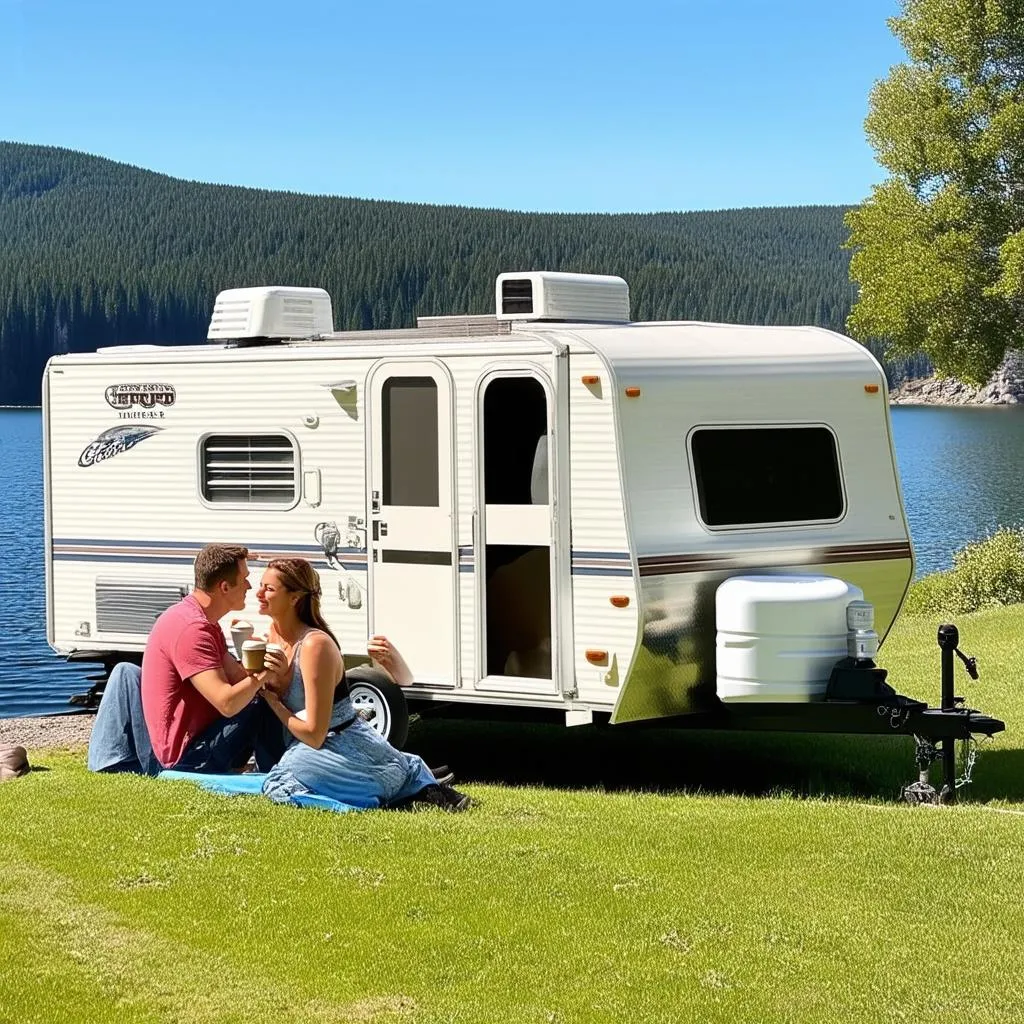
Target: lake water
[962, 471]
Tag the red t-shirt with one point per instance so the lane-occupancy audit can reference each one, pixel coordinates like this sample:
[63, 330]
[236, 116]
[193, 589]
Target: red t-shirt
[183, 642]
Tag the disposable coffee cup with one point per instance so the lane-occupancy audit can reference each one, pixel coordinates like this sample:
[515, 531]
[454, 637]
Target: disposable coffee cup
[240, 632]
[275, 647]
[254, 654]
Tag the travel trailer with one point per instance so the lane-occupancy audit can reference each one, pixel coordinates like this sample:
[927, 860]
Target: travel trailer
[549, 507]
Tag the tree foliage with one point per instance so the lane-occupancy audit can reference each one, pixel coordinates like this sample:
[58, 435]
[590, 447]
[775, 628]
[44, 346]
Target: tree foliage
[100, 253]
[939, 246]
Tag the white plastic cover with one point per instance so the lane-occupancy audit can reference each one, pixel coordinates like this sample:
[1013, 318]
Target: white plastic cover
[780, 636]
[574, 298]
[271, 312]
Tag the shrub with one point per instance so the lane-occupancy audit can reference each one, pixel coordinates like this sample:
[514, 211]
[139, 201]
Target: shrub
[986, 573]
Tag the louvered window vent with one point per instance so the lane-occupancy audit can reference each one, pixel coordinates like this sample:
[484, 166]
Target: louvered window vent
[517, 295]
[248, 469]
[133, 605]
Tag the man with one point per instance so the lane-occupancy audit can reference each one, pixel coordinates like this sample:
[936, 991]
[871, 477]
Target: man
[195, 709]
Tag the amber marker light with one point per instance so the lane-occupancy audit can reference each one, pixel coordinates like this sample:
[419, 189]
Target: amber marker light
[597, 657]
[590, 379]
[619, 600]
[871, 389]
[632, 392]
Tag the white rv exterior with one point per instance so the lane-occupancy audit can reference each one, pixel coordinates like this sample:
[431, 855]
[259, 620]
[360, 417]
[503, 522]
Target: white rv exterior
[536, 507]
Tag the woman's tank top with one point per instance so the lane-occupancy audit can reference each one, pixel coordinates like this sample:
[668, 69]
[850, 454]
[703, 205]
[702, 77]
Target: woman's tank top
[294, 698]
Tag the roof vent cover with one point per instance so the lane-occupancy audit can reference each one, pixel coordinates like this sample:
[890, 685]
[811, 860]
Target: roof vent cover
[271, 312]
[546, 295]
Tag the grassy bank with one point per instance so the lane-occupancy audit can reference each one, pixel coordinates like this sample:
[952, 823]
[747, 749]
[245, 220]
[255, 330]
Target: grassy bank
[607, 875]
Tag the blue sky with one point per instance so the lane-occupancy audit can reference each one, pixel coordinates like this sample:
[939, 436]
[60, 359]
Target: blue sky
[525, 105]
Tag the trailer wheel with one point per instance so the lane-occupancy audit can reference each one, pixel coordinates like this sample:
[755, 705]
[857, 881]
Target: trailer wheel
[380, 702]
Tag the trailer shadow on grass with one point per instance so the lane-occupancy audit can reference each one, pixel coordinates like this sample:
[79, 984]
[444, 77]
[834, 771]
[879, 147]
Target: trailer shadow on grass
[622, 758]
[998, 775]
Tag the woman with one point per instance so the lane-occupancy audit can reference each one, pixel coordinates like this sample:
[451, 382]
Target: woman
[332, 751]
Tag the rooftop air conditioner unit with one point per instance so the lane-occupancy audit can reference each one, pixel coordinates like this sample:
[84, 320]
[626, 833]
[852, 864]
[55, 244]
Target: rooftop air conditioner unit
[241, 314]
[546, 295]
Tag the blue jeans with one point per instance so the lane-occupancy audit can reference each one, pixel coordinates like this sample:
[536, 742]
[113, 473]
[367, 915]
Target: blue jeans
[120, 739]
[226, 744]
[356, 766]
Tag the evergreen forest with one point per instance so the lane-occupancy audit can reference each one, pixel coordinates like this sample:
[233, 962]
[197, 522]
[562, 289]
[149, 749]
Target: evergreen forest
[101, 253]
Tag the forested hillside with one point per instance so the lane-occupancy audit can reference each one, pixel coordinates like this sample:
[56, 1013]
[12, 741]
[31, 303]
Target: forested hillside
[99, 253]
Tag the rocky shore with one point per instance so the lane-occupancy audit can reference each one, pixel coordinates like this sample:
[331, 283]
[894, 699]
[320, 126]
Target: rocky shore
[48, 732]
[1005, 388]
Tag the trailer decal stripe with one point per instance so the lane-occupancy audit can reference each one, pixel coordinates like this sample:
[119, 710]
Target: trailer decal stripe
[601, 563]
[665, 565]
[584, 563]
[148, 560]
[178, 553]
[185, 560]
[107, 544]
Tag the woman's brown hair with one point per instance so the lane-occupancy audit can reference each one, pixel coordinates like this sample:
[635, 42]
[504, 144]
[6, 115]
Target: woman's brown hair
[299, 577]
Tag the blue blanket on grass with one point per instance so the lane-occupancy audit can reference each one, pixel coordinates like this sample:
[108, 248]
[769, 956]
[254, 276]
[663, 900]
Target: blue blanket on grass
[251, 784]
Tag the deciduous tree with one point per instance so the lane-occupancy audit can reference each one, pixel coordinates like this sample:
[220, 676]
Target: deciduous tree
[939, 246]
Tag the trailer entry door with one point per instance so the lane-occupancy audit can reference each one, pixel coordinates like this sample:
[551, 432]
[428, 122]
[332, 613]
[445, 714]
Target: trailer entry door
[413, 565]
[517, 568]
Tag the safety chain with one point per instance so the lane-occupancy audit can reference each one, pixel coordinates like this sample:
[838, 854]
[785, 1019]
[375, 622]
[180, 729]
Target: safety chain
[926, 753]
[971, 745]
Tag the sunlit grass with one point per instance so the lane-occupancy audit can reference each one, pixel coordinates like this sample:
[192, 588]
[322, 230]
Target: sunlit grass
[606, 875]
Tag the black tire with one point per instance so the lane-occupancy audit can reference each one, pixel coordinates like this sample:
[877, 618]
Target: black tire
[373, 691]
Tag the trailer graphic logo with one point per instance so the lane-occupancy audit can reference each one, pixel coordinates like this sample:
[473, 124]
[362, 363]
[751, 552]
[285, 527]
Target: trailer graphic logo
[152, 399]
[114, 441]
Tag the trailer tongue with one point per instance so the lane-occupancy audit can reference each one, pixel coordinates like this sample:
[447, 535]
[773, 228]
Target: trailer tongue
[859, 700]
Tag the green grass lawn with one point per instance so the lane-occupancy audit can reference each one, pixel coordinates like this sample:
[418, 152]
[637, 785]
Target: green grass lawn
[606, 875]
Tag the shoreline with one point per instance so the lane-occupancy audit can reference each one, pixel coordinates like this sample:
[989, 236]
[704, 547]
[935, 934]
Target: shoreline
[1004, 388]
[909, 403]
[48, 732]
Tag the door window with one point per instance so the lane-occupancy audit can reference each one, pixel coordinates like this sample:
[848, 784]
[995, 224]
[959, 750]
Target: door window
[409, 437]
[515, 442]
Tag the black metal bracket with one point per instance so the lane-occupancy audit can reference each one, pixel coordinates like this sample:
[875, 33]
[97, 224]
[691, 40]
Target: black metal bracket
[944, 748]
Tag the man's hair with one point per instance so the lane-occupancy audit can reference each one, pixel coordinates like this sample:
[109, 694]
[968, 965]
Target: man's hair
[217, 562]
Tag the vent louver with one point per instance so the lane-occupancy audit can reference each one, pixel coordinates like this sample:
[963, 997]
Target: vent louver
[132, 605]
[517, 295]
[270, 313]
[248, 469]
